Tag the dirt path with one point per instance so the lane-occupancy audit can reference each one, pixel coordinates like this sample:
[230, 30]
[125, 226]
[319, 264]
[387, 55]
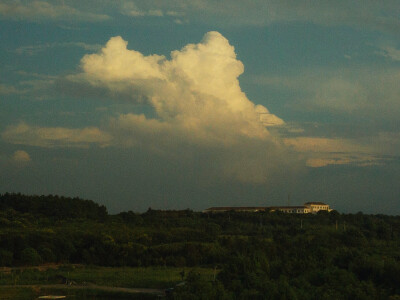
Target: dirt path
[90, 286]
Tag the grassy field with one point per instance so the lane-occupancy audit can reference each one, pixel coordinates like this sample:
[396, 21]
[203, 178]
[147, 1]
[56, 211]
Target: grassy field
[34, 292]
[151, 277]
[17, 293]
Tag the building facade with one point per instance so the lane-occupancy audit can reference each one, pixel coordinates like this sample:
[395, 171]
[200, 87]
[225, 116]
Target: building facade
[236, 209]
[291, 209]
[315, 207]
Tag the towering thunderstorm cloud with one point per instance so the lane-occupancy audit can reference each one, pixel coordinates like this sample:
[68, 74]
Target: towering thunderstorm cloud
[197, 101]
[199, 112]
[196, 93]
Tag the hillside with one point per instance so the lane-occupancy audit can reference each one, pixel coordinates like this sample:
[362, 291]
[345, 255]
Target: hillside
[256, 255]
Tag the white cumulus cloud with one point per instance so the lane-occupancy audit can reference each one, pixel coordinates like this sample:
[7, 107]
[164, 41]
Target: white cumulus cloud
[200, 116]
[198, 107]
[196, 92]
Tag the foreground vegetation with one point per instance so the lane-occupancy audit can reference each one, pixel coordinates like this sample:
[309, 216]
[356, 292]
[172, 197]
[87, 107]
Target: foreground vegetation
[130, 277]
[23, 293]
[220, 256]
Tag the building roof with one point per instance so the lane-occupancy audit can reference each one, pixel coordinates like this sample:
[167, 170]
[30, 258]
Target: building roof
[236, 208]
[286, 207]
[258, 208]
[225, 208]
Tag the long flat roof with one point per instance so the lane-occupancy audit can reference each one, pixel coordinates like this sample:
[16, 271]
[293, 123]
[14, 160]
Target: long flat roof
[235, 207]
[254, 207]
[225, 208]
[288, 207]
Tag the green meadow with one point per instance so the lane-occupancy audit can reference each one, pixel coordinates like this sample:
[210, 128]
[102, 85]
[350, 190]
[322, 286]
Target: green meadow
[84, 277]
[149, 277]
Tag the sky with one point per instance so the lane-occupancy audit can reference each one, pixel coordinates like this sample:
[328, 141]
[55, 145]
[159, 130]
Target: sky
[190, 104]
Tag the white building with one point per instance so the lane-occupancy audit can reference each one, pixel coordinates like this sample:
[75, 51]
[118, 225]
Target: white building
[315, 207]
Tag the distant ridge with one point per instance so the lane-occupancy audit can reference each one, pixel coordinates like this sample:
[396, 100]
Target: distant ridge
[53, 206]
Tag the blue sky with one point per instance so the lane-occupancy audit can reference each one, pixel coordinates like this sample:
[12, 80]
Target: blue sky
[176, 104]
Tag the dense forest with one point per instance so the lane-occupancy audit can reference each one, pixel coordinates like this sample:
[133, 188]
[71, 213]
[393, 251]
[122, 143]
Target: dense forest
[255, 255]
